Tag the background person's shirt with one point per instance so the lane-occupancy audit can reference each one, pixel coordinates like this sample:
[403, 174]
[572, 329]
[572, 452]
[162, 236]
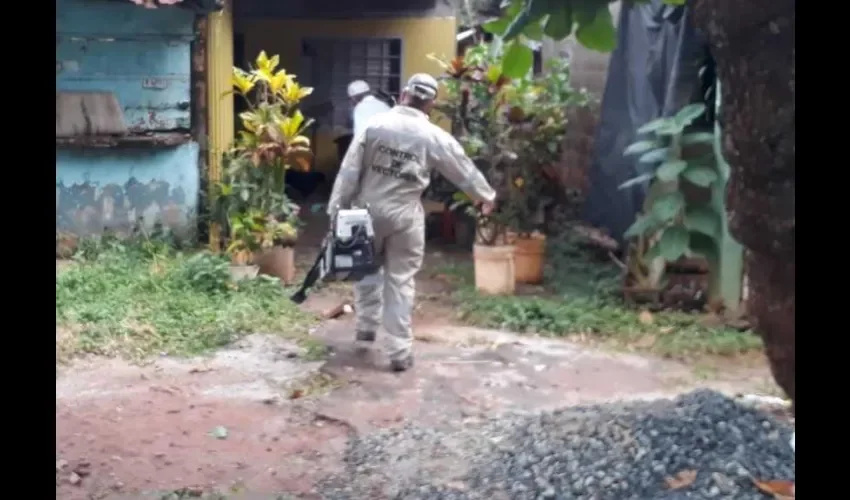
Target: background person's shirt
[368, 107]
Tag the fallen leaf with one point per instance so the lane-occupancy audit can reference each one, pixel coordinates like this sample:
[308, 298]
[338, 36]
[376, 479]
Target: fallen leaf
[296, 393]
[780, 489]
[219, 432]
[646, 318]
[339, 310]
[681, 480]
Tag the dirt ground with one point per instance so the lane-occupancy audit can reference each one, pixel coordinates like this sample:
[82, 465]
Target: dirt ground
[259, 419]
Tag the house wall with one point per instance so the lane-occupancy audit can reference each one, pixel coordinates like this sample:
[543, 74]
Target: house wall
[142, 56]
[588, 69]
[112, 189]
[420, 36]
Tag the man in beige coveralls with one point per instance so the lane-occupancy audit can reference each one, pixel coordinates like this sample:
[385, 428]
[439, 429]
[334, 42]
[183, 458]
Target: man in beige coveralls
[387, 167]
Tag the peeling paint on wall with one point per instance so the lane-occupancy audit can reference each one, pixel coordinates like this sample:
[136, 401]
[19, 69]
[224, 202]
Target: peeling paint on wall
[115, 190]
[142, 58]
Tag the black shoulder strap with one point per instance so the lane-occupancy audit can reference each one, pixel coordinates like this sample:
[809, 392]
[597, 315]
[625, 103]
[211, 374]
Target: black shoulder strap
[386, 98]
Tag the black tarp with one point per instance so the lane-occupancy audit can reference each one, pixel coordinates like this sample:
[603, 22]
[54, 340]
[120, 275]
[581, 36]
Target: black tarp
[652, 73]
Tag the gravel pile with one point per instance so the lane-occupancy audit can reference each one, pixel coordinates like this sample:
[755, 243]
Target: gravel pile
[617, 452]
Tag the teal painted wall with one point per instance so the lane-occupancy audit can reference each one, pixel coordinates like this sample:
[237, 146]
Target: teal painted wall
[143, 57]
[115, 190]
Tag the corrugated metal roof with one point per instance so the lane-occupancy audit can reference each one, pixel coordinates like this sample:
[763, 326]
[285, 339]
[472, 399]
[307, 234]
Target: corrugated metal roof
[199, 6]
[152, 4]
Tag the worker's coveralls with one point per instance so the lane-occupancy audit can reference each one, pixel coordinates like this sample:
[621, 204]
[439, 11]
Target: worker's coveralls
[387, 167]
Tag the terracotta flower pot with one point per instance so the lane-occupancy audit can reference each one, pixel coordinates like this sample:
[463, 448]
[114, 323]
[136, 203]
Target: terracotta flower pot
[278, 261]
[529, 258]
[494, 269]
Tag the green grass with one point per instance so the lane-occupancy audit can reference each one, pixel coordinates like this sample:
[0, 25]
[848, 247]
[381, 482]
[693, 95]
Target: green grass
[580, 299]
[137, 300]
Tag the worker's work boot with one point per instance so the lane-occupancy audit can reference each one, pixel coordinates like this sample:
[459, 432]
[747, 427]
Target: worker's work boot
[363, 341]
[365, 336]
[402, 364]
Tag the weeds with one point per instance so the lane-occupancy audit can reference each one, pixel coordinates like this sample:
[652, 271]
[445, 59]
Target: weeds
[580, 299]
[142, 298]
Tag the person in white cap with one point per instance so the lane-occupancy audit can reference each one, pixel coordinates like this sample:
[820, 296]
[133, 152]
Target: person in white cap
[387, 167]
[365, 104]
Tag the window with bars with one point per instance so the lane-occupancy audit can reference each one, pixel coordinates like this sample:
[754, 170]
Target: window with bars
[333, 63]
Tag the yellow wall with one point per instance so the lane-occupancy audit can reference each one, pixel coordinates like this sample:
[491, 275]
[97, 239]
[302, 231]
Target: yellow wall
[420, 37]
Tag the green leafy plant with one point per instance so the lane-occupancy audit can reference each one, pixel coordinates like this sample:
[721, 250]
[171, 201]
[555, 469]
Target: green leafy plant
[513, 129]
[271, 142]
[582, 300]
[205, 273]
[123, 299]
[255, 231]
[672, 226]
[523, 21]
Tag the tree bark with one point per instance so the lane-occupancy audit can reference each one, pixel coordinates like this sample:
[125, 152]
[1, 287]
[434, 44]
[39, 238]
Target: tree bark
[753, 45]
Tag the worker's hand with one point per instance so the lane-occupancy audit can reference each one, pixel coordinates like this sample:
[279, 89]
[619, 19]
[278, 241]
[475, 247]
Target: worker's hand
[487, 208]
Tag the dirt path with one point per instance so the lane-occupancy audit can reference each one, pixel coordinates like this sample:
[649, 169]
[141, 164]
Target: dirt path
[259, 418]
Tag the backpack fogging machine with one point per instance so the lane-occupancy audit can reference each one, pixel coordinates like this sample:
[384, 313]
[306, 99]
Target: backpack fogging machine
[347, 253]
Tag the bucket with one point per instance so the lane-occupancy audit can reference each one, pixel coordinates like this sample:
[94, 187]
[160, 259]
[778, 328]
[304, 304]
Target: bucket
[529, 258]
[278, 261]
[494, 269]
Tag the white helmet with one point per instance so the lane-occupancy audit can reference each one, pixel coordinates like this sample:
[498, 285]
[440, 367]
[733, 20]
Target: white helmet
[423, 86]
[357, 87]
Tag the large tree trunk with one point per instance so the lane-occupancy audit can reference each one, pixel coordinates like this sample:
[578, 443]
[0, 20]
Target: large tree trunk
[753, 44]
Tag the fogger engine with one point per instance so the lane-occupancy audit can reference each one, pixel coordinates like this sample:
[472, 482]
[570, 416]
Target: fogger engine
[350, 254]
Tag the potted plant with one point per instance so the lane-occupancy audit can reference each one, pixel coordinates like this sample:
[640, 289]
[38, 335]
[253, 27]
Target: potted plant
[513, 129]
[243, 244]
[250, 201]
[473, 102]
[253, 236]
[537, 119]
[492, 253]
[277, 255]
